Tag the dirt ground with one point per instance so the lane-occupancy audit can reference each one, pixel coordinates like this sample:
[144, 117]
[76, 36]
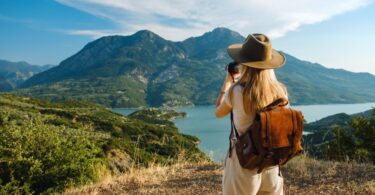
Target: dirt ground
[302, 176]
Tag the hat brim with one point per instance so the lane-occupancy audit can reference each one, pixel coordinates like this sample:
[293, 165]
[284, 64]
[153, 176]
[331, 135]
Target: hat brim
[277, 60]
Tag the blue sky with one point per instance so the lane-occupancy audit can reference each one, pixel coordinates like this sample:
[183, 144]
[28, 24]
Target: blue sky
[335, 33]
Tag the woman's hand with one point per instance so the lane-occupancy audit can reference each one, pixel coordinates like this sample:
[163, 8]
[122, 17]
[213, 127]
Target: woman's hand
[232, 77]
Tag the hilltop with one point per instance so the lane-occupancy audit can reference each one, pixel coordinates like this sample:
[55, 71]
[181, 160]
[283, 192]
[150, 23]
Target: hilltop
[46, 147]
[342, 136]
[145, 69]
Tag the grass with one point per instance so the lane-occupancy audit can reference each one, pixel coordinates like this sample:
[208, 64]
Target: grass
[180, 178]
[306, 175]
[303, 175]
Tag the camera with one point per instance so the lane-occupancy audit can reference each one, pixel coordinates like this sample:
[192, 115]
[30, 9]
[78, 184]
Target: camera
[233, 68]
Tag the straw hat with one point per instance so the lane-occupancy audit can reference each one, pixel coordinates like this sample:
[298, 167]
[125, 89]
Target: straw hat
[256, 52]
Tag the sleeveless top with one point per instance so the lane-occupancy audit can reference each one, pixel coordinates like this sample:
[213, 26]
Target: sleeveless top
[241, 119]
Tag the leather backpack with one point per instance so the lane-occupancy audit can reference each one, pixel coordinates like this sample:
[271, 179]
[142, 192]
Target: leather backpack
[273, 139]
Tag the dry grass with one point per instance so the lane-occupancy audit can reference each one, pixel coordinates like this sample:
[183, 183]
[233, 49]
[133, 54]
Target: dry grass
[199, 178]
[302, 175]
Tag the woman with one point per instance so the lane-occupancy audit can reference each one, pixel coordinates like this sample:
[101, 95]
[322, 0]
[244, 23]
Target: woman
[256, 88]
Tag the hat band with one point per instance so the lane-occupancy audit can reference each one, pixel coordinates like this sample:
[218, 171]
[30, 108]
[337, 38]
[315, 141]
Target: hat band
[266, 55]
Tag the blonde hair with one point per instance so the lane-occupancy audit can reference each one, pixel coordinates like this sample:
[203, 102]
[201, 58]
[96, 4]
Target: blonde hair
[261, 88]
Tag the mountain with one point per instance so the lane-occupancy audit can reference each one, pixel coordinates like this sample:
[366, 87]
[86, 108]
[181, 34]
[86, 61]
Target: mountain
[14, 74]
[144, 69]
[5, 85]
[313, 83]
[211, 45]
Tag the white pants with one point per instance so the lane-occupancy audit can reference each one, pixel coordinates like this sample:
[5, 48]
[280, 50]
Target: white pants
[240, 181]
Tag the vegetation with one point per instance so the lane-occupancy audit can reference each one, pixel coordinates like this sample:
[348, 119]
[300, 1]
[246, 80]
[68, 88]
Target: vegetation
[111, 92]
[357, 142]
[46, 147]
[41, 158]
[146, 70]
[343, 137]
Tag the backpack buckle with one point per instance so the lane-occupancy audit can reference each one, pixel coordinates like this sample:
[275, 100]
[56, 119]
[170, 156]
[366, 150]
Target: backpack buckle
[269, 154]
[234, 140]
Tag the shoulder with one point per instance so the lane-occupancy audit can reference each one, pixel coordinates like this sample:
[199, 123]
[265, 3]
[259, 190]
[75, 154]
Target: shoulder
[234, 93]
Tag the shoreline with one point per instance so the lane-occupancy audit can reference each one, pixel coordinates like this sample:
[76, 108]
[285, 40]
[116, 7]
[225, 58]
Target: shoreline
[197, 105]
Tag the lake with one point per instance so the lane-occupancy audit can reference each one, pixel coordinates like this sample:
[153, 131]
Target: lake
[213, 132]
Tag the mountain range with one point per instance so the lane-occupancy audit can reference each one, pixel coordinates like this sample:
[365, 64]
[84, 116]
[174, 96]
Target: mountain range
[13, 74]
[145, 69]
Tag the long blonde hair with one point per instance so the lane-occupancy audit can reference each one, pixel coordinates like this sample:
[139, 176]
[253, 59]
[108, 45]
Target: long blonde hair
[261, 87]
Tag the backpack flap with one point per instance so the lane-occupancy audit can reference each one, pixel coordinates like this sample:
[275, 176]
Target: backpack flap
[279, 128]
[281, 132]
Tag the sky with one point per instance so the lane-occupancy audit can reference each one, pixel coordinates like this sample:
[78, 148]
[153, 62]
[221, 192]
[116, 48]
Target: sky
[334, 33]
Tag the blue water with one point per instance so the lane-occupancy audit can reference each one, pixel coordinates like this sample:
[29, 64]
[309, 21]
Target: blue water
[213, 132]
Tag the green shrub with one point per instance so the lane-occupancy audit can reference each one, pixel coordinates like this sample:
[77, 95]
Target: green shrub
[43, 158]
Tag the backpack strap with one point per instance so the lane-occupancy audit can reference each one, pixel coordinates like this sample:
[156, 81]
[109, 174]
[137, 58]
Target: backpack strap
[275, 104]
[294, 116]
[234, 136]
[269, 155]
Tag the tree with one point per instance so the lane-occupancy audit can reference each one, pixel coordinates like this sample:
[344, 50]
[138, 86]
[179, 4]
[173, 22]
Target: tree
[357, 142]
[364, 130]
[341, 147]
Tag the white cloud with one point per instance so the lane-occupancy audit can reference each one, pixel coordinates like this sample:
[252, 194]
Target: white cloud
[91, 33]
[177, 19]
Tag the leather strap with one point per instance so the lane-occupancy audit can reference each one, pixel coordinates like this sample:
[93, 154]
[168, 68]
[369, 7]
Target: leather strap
[234, 129]
[233, 132]
[293, 131]
[276, 103]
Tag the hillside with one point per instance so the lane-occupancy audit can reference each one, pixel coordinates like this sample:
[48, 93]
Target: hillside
[302, 176]
[4, 84]
[13, 74]
[312, 83]
[324, 130]
[144, 69]
[46, 147]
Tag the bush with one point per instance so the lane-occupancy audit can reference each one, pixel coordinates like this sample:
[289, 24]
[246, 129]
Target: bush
[36, 158]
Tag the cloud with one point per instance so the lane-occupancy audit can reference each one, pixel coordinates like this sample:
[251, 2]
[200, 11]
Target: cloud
[91, 33]
[177, 19]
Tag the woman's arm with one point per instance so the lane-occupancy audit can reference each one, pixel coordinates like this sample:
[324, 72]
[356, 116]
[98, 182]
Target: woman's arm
[222, 108]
